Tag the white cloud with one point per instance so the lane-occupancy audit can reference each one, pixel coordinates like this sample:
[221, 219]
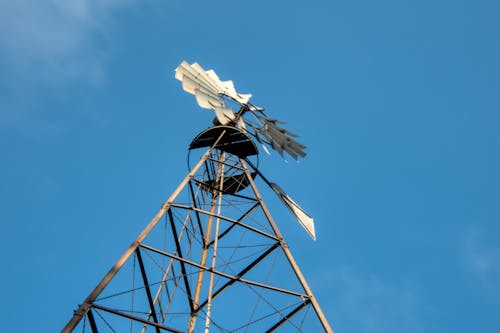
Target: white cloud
[368, 303]
[54, 41]
[47, 46]
[483, 260]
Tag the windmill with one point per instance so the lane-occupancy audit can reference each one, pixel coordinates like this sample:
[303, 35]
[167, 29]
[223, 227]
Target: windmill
[212, 259]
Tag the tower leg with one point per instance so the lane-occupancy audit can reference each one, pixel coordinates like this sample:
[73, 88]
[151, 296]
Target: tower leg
[87, 304]
[288, 254]
[216, 195]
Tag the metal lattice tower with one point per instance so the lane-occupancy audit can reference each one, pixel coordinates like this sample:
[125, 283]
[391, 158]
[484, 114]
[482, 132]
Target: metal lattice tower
[211, 260]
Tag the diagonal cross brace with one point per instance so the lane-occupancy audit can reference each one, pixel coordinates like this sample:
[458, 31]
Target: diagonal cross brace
[183, 267]
[238, 276]
[146, 286]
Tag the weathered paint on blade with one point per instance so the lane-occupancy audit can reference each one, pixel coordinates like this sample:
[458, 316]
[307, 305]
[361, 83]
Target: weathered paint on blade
[302, 217]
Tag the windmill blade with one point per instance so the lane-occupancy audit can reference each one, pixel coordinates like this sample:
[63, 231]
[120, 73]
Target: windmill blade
[273, 120]
[207, 100]
[185, 71]
[254, 107]
[224, 115]
[244, 98]
[224, 87]
[304, 219]
[228, 88]
[190, 85]
[259, 140]
[279, 137]
[272, 142]
[257, 137]
[292, 134]
[197, 77]
[205, 95]
[294, 146]
[240, 123]
[204, 77]
[265, 149]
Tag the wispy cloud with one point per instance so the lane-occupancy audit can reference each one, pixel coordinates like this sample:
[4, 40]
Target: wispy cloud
[370, 303]
[54, 41]
[483, 260]
[47, 46]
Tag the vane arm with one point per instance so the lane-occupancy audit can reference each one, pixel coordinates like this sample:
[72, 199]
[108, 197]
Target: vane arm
[258, 171]
[305, 220]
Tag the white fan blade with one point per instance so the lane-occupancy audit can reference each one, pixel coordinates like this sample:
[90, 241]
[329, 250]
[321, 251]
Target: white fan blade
[209, 80]
[228, 89]
[243, 98]
[189, 82]
[215, 80]
[196, 75]
[179, 71]
[196, 66]
[304, 219]
[189, 85]
[203, 76]
[256, 108]
[224, 115]
[207, 100]
[240, 123]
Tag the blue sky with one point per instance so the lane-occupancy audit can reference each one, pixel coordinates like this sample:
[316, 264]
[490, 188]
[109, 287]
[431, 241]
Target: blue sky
[397, 101]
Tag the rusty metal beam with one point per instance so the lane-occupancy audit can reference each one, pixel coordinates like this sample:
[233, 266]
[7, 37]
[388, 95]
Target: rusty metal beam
[92, 323]
[198, 220]
[87, 303]
[225, 218]
[227, 276]
[288, 316]
[239, 220]
[146, 287]
[200, 183]
[241, 273]
[204, 253]
[135, 318]
[183, 267]
[321, 316]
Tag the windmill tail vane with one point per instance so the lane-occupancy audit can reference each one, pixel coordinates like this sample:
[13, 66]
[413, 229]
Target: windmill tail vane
[300, 214]
[305, 220]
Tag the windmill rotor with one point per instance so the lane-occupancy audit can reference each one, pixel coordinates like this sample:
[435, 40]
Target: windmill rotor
[212, 93]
